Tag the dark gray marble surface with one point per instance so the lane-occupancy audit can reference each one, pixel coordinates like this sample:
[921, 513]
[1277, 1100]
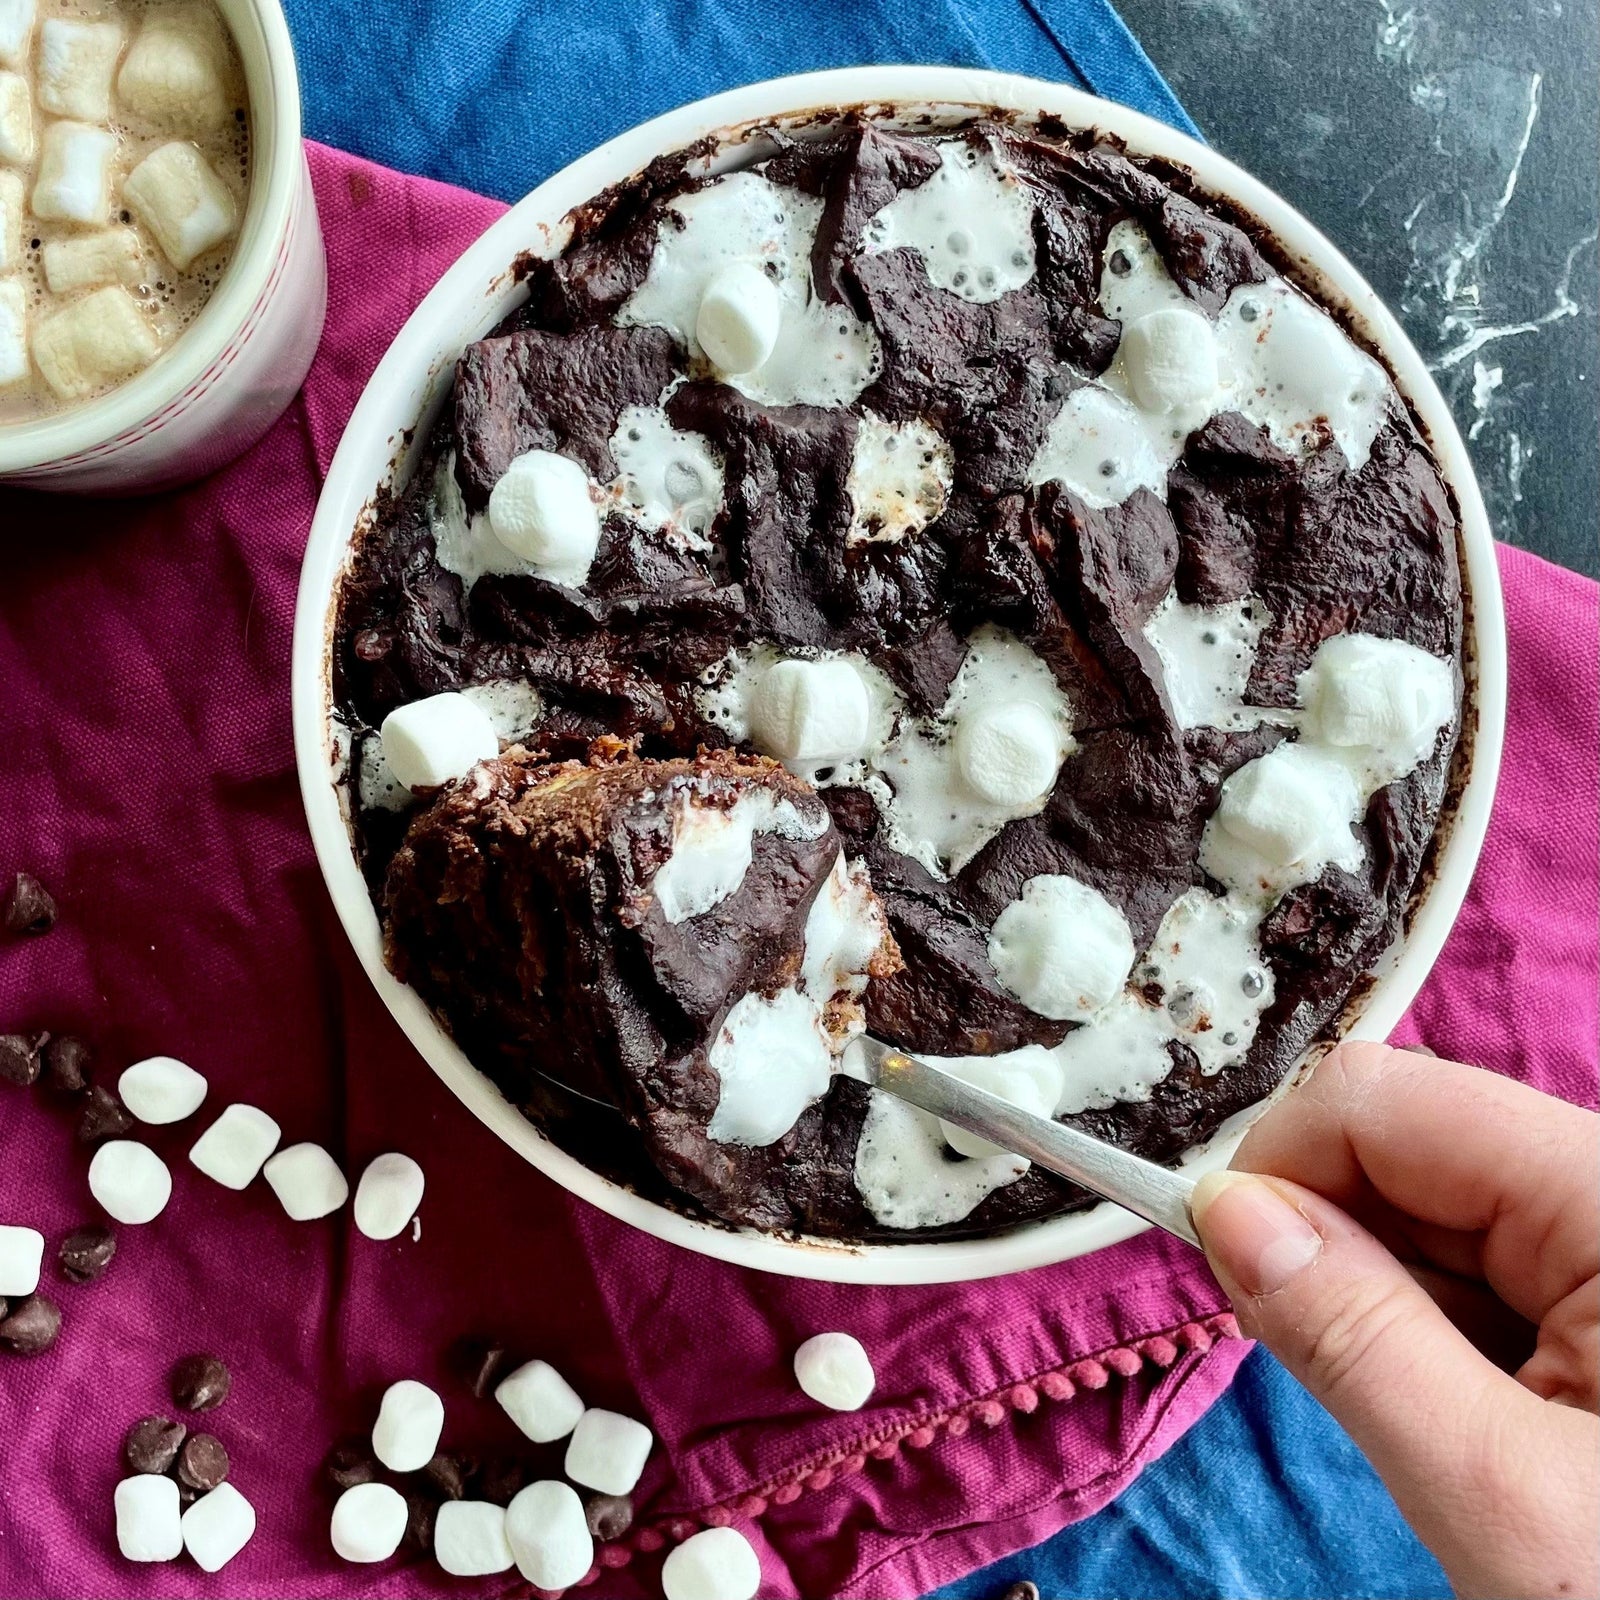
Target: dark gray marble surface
[1451, 148]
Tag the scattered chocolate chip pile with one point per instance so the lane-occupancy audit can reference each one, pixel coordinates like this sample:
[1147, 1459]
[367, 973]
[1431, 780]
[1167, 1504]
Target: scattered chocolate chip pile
[176, 1496]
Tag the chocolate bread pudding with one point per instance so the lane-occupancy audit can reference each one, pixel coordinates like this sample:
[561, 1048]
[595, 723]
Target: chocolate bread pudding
[951, 585]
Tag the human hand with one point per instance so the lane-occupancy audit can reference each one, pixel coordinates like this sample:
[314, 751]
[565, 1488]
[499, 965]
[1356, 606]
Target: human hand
[1449, 1314]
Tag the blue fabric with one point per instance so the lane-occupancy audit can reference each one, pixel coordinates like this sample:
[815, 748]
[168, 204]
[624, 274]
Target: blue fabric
[1266, 1496]
[495, 95]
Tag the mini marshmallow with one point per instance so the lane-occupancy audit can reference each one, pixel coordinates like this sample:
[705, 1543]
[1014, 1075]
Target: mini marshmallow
[1008, 752]
[1063, 949]
[182, 202]
[835, 1370]
[1382, 697]
[92, 343]
[549, 1534]
[76, 63]
[811, 711]
[149, 1522]
[608, 1451]
[410, 1420]
[369, 1521]
[130, 1181]
[741, 313]
[21, 1251]
[16, 31]
[307, 1181]
[542, 510]
[1290, 805]
[388, 1195]
[540, 1401]
[233, 1149]
[1029, 1078]
[90, 260]
[14, 363]
[13, 204]
[161, 1090]
[74, 178]
[173, 73]
[16, 119]
[1170, 357]
[434, 741]
[469, 1538]
[714, 1564]
[217, 1527]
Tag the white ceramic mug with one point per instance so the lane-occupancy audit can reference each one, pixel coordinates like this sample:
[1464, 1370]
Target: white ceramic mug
[236, 368]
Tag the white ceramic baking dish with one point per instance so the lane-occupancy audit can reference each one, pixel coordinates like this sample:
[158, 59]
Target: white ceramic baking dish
[379, 446]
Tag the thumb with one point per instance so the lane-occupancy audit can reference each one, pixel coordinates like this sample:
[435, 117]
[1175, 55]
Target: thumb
[1352, 1325]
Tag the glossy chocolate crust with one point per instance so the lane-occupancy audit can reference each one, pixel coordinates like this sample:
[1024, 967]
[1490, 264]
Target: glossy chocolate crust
[1327, 549]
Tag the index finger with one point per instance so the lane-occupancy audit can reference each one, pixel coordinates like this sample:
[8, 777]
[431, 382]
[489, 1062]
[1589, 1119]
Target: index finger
[1452, 1146]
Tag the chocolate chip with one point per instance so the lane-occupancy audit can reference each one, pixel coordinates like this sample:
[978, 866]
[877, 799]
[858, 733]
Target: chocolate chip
[501, 1481]
[350, 1462]
[86, 1252]
[449, 1475]
[1022, 1591]
[29, 907]
[483, 1361]
[421, 1514]
[19, 1058]
[187, 1496]
[609, 1515]
[104, 1117]
[202, 1462]
[31, 1325]
[152, 1444]
[200, 1383]
[66, 1064]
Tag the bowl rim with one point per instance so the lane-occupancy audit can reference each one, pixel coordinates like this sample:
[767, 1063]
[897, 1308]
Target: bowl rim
[260, 33]
[476, 291]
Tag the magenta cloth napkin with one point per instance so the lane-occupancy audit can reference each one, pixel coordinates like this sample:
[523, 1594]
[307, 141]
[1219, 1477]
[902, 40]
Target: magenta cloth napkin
[144, 653]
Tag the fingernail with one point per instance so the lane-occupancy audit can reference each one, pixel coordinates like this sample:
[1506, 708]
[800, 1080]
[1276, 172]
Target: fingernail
[1251, 1232]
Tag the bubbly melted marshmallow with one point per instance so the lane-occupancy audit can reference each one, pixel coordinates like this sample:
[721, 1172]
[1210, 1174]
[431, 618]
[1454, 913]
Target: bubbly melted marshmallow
[1270, 354]
[821, 355]
[971, 222]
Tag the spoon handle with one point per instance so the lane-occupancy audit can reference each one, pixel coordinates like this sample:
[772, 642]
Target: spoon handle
[1156, 1193]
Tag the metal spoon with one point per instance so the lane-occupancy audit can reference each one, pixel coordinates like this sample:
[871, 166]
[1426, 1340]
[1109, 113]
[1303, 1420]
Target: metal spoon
[1155, 1193]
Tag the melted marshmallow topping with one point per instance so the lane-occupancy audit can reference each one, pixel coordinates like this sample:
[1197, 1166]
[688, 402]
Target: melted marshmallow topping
[822, 354]
[900, 477]
[1207, 653]
[713, 846]
[971, 222]
[1270, 354]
